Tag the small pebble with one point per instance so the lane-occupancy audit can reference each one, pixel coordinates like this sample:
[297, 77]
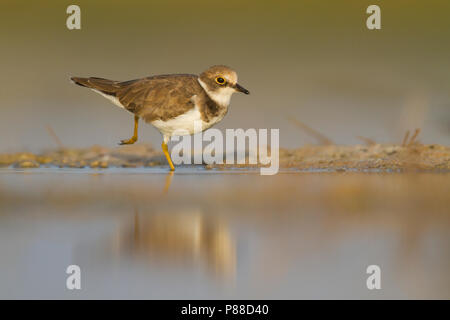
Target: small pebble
[103, 164]
[27, 164]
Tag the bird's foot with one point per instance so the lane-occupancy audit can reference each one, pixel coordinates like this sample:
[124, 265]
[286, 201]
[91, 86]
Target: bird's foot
[129, 141]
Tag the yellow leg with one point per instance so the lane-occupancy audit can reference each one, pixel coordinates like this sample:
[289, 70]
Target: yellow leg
[134, 138]
[166, 153]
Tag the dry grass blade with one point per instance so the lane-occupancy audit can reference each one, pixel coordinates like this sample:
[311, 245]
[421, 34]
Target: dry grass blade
[414, 137]
[52, 134]
[405, 139]
[321, 139]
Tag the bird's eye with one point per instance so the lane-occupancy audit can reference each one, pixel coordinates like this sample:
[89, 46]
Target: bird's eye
[220, 80]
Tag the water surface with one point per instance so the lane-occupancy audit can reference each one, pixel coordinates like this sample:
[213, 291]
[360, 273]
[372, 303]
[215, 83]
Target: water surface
[142, 233]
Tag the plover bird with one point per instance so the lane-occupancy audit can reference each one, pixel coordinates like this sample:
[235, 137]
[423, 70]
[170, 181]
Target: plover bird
[171, 103]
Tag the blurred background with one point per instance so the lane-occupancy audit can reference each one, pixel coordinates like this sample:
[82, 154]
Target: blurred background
[145, 233]
[311, 60]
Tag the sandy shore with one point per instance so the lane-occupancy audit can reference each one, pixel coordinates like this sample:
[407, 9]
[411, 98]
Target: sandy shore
[383, 157]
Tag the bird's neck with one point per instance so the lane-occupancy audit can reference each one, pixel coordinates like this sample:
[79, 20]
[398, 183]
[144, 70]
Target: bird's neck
[221, 97]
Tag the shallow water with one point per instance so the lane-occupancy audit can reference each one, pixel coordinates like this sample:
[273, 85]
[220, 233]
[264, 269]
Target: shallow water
[143, 233]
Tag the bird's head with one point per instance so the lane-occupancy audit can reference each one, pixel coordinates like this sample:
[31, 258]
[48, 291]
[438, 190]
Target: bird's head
[220, 82]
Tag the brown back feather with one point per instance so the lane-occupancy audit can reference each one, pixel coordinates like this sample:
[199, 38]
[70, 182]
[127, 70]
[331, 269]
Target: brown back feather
[157, 97]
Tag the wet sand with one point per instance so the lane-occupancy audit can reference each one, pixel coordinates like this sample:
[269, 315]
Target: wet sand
[381, 157]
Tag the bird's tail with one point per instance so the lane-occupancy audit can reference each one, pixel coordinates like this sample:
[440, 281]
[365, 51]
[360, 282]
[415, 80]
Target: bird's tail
[105, 86]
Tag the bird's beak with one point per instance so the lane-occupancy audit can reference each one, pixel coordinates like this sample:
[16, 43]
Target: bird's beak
[239, 88]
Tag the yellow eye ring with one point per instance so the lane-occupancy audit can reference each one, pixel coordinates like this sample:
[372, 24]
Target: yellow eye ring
[220, 80]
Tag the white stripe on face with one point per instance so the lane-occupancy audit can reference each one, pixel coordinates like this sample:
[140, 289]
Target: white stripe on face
[221, 96]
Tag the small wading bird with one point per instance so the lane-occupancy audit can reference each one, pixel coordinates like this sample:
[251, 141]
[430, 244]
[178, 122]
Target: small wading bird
[171, 102]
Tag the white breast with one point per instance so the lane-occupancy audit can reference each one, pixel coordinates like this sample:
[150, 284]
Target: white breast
[180, 125]
[187, 123]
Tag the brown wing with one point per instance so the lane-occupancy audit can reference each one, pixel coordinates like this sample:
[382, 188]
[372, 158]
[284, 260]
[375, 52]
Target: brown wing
[159, 97]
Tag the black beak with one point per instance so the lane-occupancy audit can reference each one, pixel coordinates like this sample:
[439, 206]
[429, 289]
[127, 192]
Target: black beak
[241, 89]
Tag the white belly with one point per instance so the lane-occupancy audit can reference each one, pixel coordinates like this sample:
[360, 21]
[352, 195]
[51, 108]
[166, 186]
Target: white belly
[185, 124]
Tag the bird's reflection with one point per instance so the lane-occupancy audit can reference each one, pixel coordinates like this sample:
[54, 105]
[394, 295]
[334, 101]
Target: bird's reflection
[169, 178]
[181, 238]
